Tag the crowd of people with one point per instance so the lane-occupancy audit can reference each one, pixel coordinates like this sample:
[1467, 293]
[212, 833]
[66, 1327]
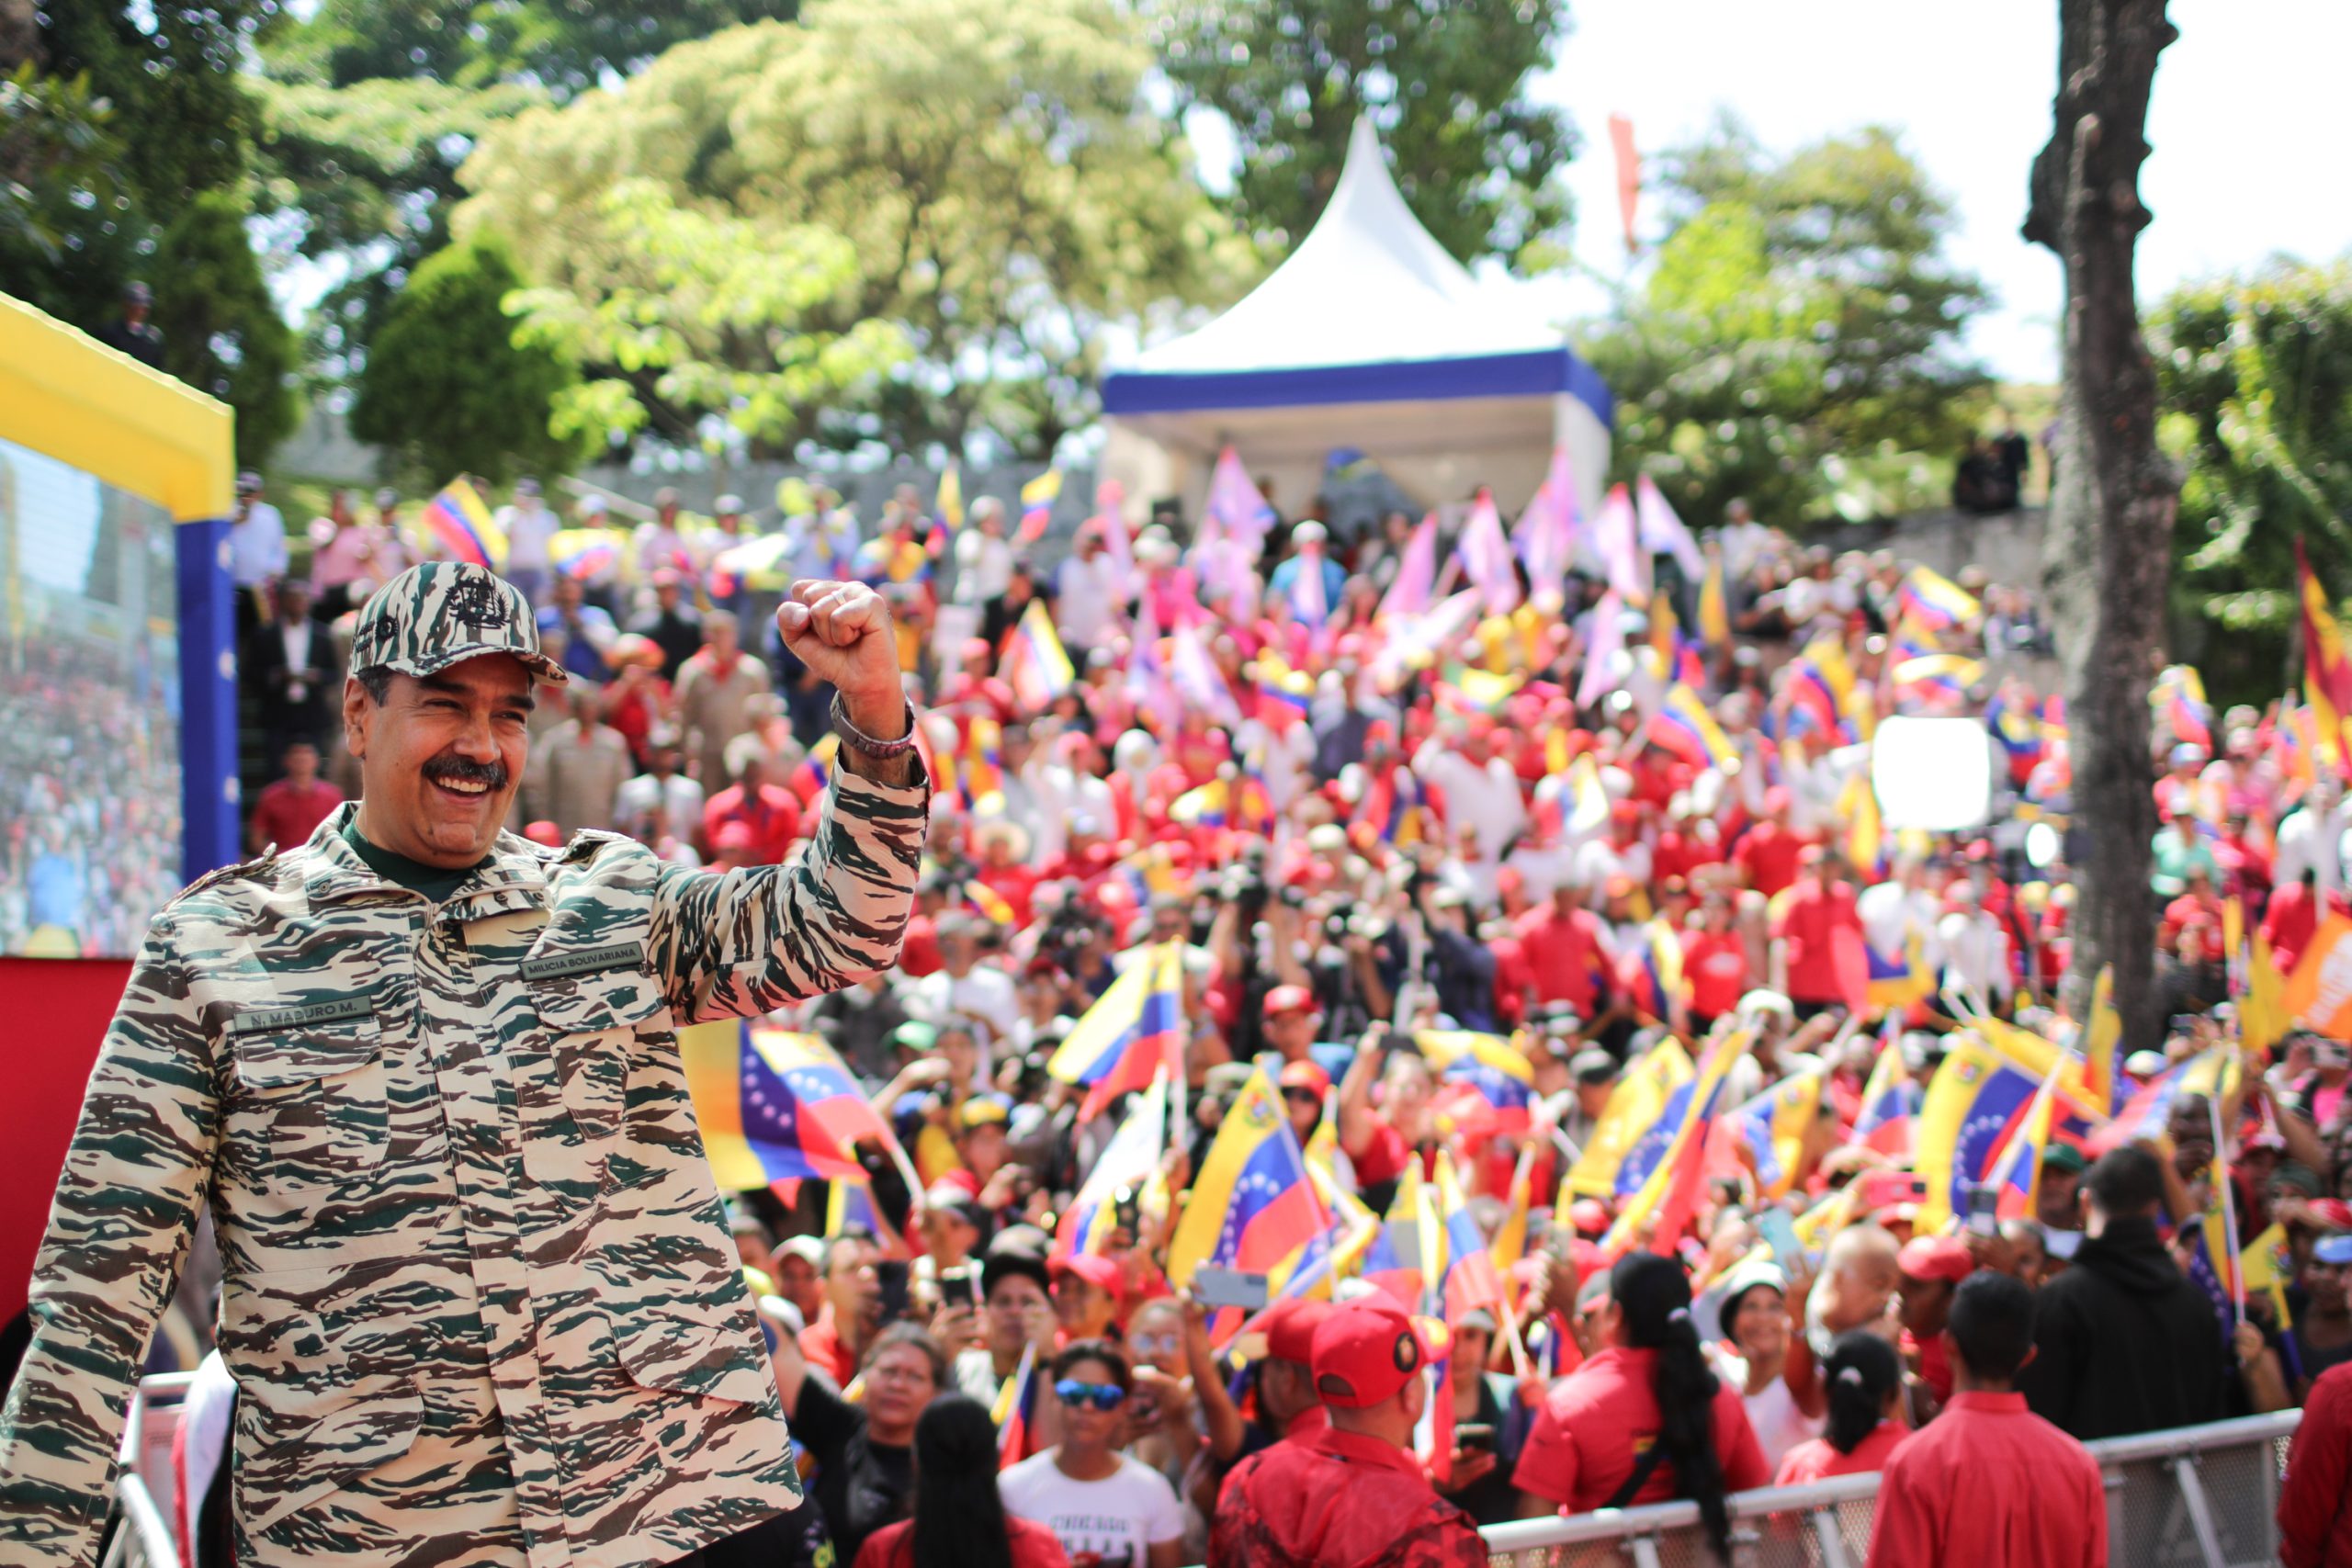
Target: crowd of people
[1603, 812]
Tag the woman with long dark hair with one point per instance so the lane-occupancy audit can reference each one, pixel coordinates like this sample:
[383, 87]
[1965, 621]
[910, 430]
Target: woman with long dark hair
[1646, 1420]
[1864, 1380]
[959, 1521]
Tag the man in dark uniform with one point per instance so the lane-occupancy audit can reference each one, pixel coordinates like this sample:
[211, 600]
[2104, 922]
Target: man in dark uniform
[1353, 1496]
[135, 334]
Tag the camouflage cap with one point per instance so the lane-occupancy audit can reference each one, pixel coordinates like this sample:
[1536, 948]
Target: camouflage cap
[434, 616]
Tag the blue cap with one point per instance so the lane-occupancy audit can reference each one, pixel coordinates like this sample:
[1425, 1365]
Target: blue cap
[2336, 1249]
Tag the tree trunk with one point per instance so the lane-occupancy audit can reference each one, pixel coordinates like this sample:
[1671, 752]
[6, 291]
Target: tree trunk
[2114, 495]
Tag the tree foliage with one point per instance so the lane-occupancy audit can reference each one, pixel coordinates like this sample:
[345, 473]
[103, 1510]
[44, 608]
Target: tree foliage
[222, 334]
[447, 387]
[1796, 341]
[1443, 80]
[126, 136]
[2256, 373]
[563, 46]
[991, 174]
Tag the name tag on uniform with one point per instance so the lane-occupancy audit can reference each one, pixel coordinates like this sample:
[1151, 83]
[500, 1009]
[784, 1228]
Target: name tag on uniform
[586, 961]
[275, 1020]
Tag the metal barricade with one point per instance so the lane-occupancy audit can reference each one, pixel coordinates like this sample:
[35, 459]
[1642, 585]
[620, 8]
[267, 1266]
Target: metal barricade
[140, 1539]
[2199, 1497]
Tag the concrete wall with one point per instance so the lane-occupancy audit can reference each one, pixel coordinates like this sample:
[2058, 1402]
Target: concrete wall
[2007, 546]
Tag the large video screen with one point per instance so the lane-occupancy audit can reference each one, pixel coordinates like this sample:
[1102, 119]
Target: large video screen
[90, 832]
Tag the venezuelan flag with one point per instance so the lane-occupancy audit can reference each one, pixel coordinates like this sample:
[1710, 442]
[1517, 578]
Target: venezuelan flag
[1253, 1206]
[1132, 1031]
[2103, 1037]
[2215, 1261]
[1891, 1101]
[981, 775]
[1934, 603]
[1973, 1103]
[2262, 1012]
[1510, 1237]
[2018, 733]
[947, 505]
[988, 902]
[1656, 979]
[815, 770]
[1035, 662]
[1714, 606]
[2015, 1176]
[463, 527]
[2147, 1113]
[1207, 807]
[773, 1105]
[2266, 1265]
[2180, 697]
[1470, 1279]
[850, 1205]
[1038, 498]
[1666, 1133]
[1636, 1105]
[1665, 1197]
[1684, 727]
[1283, 694]
[1016, 1412]
[1130, 1160]
[1774, 1125]
[1405, 1255]
[585, 553]
[1819, 681]
[1897, 982]
[1489, 1072]
[1935, 680]
[2328, 668]
[1865, 833]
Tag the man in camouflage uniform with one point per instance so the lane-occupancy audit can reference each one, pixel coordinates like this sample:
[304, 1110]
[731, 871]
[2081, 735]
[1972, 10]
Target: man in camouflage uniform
[478, 1297]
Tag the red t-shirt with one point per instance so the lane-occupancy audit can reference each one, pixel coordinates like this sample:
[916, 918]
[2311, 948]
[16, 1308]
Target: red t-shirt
[1563, 954]
[1599, 1419]
[2316, 1501]
[1815, 1459]
[1766, 856]
[1990, 1481]
[1715, 965]
[286, 816]
[1809, 923]
[773, 815]
[822, 1344]
[1034, 1545]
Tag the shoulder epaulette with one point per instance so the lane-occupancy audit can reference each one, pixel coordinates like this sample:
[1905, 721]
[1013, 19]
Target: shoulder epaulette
[254, 870]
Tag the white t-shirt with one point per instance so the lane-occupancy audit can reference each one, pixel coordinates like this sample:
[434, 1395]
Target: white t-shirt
[1114, 1518]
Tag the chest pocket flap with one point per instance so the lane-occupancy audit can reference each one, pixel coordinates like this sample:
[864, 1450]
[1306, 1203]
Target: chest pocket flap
[272, 1047]
[312, 1106]
[587, 988]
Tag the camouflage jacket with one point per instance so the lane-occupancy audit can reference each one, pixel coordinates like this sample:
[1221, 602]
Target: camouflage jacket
[478, 1297]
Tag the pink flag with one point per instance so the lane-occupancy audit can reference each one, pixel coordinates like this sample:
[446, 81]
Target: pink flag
[1608, 642]
[1629, 175]
[1618, 538]
[1662, 529]
[1234, 503]
[1416, 574]
[1196, 677]
[1546, 537]
[1109, 497]
[1485, 557]
[1147, 684]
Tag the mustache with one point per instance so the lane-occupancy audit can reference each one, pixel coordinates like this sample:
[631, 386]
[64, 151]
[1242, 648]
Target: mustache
[457, 770]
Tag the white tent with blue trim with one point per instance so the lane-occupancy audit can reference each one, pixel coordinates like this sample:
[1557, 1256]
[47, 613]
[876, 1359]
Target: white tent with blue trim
[1370, 337]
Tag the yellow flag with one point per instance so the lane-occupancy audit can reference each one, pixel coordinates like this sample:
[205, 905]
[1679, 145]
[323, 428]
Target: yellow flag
[1633, 1108]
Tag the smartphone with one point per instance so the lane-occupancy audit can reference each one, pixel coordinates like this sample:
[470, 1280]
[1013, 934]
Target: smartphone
[1215, 1287]
[1985, 1210]
[1473, 1434]
[1779, 1233]
[1880, 1187]
[960, 1287]
[893, 1275]
[1123, 1209]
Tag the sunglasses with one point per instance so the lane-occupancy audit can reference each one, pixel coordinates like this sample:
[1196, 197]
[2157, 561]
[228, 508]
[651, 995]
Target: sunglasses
[1302, 1097]
[1102, 1395]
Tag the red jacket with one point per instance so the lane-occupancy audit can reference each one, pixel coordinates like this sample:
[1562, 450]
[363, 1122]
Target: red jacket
[1337, 1500]
[2316, 1501]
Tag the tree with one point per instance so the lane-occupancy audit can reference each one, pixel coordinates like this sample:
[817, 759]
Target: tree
[222, 334]
[1001, 189]
[2256, 377]
[2114, 496]
[1797, 337]
[447, 390]
[562, 46]
[1443, 81]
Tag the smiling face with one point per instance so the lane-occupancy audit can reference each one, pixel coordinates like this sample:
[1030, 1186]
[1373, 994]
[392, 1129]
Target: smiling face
[440, 758]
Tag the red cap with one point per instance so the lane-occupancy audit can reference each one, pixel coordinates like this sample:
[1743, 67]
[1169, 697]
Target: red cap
[2334, 1214]
[1093, 1267]
[1587, 1215]
[1289, 998]
[1366, 1351]
[1306, 1075]
[1936, 1257]
[1289, 1328]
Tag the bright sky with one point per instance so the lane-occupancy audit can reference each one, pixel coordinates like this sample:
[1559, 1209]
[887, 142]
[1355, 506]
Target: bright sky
[2246, 125]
